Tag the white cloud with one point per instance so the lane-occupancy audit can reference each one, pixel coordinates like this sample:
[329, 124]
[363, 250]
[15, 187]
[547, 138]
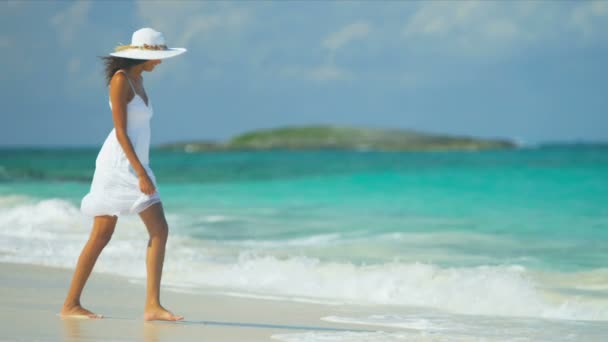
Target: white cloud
[591, 18]
[347, 34]
[70, 21]
[599, 8]
[441, 18]
[470, 27]
[482, 28]
[204, 25]
[214, 28]
[319, 73]
[334, 41]
[192, 23]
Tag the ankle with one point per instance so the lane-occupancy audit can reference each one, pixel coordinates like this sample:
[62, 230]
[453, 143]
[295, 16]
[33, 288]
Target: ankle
[69, 305]
[150, 304]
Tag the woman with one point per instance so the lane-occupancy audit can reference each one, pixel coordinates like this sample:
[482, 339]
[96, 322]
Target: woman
[123, 182]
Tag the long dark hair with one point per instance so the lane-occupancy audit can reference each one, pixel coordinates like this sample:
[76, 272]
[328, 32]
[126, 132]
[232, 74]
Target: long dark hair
[113, 64]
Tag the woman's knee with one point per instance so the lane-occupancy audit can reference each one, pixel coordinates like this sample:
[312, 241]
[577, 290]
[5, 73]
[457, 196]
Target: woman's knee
[159, 230]
[102, 237]
[155, 221]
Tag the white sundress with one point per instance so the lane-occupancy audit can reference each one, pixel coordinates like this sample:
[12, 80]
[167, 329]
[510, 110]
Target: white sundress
[115, 186]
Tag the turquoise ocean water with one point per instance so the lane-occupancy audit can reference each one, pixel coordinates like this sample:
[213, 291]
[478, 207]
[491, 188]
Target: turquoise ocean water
[519, 234]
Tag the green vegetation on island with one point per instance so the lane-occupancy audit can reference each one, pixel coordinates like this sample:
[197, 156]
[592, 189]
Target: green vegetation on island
[342, 138]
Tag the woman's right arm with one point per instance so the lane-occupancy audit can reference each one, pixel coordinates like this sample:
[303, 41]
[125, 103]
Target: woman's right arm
[119, 95]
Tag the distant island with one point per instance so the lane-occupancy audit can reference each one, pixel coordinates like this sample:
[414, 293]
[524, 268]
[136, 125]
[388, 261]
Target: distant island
[324, 137]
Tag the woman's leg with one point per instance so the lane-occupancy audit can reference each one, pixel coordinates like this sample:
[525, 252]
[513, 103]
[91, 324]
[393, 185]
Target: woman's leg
[154, 219]
[103, 228]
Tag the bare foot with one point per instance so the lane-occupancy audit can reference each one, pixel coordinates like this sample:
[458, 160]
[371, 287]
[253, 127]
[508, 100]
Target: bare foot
[78, 311]
[158, 313]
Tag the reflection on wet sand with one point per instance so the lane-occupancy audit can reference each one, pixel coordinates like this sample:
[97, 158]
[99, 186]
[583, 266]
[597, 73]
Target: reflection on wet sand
[72, 329]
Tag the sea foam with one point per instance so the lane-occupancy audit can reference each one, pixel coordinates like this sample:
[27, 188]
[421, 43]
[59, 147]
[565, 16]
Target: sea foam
[53, 231]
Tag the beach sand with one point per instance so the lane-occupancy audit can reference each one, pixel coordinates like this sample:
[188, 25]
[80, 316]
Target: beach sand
[31, 297]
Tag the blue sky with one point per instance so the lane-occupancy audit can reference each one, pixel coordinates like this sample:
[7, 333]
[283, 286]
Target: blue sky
[524, 70]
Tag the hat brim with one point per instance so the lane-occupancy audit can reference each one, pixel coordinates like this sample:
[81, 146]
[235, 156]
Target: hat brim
[148, 54]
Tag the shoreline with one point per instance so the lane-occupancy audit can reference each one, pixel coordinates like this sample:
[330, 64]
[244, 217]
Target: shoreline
[30, 293]
[31, 297]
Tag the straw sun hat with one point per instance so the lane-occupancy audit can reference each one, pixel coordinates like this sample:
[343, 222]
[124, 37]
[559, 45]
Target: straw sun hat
[147, 43]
